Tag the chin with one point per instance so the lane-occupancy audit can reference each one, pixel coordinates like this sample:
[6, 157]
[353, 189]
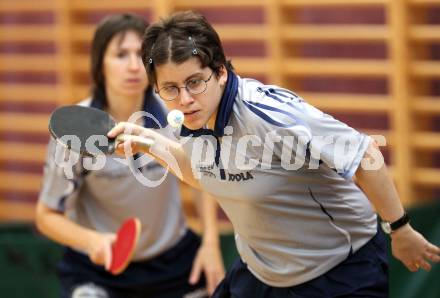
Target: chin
[134, 92]
[133, 89]
[193, 125]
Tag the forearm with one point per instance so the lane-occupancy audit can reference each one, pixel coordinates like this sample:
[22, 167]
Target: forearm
[207, 212]
[164, 150]
[380, 190]
[57, 227]
[209, 256]
[210, 222]
[167, 152]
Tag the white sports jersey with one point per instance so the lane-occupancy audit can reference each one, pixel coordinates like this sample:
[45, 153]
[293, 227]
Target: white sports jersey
[293, 221]
[102, 199]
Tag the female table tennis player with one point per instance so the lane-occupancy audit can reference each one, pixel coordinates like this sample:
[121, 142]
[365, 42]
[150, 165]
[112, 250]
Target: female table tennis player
[83, 212]
[282, 171]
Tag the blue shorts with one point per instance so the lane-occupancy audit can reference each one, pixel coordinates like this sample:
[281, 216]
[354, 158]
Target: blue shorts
[362, 274]
[163, 276]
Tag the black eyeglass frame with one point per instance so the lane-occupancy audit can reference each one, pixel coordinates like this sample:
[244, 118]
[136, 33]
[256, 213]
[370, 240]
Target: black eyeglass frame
[184, 87]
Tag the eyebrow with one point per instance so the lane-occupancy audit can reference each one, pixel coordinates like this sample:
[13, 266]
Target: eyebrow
[122, 50]
[190, 77]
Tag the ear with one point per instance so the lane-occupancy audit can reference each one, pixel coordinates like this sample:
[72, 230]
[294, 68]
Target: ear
[223, 75]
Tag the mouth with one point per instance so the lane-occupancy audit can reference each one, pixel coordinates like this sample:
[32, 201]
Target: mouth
[133, 81]
[191, 116]
[190, 113]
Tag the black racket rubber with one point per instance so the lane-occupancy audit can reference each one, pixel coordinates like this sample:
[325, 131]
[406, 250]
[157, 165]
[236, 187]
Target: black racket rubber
[82, 122]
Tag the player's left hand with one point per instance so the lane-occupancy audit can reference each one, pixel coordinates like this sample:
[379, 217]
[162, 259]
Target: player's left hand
[413, 250]
[99, 248]
[208, 260]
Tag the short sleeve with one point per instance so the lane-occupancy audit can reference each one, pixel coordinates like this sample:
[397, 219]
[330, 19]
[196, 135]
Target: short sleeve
[61, 178]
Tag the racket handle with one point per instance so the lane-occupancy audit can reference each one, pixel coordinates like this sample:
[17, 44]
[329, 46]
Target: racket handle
[142, 142]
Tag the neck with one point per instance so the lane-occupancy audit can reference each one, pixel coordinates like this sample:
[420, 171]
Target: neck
[122, 107]
[211, 122]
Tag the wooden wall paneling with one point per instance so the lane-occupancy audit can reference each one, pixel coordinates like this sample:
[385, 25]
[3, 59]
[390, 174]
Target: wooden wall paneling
[399, 79]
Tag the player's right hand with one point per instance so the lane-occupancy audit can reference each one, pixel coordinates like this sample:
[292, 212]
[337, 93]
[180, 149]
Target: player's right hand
[130, 145]
[100, 248]
[126, 128]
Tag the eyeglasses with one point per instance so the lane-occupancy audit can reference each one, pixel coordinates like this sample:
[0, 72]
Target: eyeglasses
[193, 86]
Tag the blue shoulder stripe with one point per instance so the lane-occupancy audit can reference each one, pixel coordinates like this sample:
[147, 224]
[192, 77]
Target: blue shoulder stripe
[268, 94]
[277, 93]
[264, 116]
[255, 107]
[284, 92]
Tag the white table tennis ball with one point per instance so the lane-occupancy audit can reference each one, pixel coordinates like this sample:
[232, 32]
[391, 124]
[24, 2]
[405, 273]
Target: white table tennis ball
[175, 118]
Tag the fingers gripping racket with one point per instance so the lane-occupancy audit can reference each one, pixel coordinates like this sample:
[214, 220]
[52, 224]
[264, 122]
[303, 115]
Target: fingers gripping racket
[125, 244]
[84, 130]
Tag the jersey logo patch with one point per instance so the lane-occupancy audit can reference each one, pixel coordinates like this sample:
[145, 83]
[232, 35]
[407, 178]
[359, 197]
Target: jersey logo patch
[240, 177]
[206, 170]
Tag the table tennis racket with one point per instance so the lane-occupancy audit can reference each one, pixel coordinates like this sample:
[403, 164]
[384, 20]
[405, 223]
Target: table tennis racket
[124, 245]
[81, 129]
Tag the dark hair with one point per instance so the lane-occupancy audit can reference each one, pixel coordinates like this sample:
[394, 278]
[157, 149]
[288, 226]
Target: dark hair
[178, 38]
[106, 30]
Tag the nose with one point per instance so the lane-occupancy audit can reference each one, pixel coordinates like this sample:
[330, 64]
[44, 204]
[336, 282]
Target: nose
[134, 63]
[185, 98]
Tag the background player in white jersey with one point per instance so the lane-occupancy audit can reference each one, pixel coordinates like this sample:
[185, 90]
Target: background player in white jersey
[82, 212]
[303, 228]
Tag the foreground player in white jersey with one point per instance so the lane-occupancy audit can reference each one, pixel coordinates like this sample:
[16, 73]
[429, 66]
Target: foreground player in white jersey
[283, 172]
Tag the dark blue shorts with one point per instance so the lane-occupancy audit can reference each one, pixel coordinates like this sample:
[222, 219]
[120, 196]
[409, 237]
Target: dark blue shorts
[362, 274]
[163, 276]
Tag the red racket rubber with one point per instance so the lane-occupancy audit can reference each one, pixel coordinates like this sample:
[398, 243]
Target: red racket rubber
[125, 244]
